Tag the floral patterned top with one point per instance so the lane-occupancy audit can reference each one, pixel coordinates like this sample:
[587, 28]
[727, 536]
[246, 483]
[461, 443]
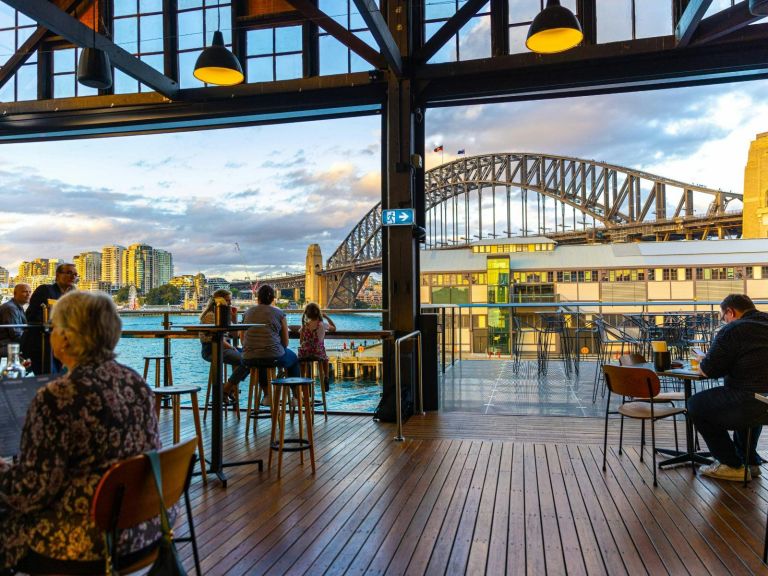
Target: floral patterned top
[312, 340]
[76, 427]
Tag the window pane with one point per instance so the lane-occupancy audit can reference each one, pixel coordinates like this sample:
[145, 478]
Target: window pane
[64, 60]
[653, 18]
[259, 42]
[355, 20]
[190, 30]
[288, 67]
[26, 83]
[212, 21]
[25, 33]
[260, 70]
[475, 39]
[439, 9]
[150, 6]
[124, 84]
[26, 21]
[6, 91]
[7, 16]
[126, 34]
[358, 64]
[186, 67]
[367, 37]
[64, 86]
[125, 7]
[448, 52]
[614, 20]
[184, 4]
[333, 56]
[7, 44]
[336, 9]
[288, 39]
[152, 33]
[517, 36]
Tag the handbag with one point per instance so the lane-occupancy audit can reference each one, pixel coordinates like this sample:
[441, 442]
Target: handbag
[167, 562]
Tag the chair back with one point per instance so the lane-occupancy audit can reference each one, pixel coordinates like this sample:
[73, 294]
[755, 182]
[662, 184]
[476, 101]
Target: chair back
[632, 360]
[126, 494]
[631, 381]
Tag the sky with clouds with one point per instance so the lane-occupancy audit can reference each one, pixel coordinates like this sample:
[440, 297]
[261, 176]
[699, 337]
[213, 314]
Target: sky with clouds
[274, 190]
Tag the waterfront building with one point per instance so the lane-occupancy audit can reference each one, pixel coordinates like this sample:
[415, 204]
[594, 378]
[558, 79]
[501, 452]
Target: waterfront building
[537, 270]
[111, 265]
[163, 267]
[88, 266]
[5, 277]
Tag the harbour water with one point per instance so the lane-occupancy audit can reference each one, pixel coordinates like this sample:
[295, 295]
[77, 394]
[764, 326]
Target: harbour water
[346, 394]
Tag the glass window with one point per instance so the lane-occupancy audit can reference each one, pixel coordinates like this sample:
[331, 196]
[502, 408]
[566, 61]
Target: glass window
[473, 40]
[197, 20]
[274, 54]
[138, 29]
[614, 20]
[335, 58]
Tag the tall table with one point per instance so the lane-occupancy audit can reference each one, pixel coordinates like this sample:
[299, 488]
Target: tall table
[690, 456]
[217, 397]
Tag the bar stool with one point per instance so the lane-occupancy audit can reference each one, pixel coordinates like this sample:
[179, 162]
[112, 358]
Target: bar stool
[270, 365]
[225, 370]
[176, 392]
[281, 388]
[158, 359]
[308, 364]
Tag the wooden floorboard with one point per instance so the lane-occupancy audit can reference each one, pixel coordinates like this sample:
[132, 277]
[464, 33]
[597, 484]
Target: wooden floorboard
[469, 494]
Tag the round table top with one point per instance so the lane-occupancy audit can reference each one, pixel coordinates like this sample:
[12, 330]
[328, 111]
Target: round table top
[176, 390]
[292, 381]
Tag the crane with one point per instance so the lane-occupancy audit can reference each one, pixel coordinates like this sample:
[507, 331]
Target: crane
[252, 283]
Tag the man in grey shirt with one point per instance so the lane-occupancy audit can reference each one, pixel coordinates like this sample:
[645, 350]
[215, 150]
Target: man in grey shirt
[12, 312]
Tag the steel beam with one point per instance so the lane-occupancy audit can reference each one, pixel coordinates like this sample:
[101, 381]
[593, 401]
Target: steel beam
[689, 21]
[449, 29]
[58, 21]
[724, 23]
[375, 21]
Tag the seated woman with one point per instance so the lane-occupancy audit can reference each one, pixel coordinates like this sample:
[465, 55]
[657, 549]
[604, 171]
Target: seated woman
[78, 425]
[269, 342]
[232, 355]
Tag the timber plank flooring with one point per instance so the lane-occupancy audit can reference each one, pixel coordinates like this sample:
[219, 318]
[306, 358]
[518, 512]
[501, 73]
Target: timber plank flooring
[470, 495]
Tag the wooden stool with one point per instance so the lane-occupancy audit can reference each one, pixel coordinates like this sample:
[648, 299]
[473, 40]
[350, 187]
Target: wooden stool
[253, 406]
[158, 359]
[208, 393]
[307, 365]
[176, 392]
[281, 388]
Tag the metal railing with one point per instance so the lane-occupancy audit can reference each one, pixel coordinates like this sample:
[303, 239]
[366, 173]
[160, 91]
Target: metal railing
[398, 381]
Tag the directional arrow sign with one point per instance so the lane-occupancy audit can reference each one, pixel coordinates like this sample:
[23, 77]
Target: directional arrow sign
[398, 217]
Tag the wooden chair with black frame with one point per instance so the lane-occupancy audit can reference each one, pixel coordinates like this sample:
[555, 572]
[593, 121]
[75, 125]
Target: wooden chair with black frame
[634, 383]
[125, 497]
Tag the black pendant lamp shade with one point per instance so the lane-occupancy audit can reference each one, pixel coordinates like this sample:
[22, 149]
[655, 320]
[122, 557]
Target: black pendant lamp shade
[217, 65]
[94, 69]
[555, 29]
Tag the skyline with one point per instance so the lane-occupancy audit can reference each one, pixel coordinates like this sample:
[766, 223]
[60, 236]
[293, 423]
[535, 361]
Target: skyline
[276, 189]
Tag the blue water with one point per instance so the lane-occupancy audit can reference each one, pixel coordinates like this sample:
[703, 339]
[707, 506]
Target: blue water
[189, 367]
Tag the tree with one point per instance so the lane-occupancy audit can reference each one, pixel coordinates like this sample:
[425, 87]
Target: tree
[165, 294]
[121, 295]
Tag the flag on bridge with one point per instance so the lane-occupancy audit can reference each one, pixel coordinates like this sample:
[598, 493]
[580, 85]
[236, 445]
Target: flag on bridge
[462, 151]
[439, 148]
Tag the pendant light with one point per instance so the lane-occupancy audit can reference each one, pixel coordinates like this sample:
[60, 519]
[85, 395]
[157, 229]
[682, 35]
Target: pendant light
[94, 69]
[555, 29]
[216, 64]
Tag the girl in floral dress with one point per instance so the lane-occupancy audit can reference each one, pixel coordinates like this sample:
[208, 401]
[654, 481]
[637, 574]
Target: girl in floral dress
[312, 338]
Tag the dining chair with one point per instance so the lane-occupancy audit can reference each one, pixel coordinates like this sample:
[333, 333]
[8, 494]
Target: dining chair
[634, 383]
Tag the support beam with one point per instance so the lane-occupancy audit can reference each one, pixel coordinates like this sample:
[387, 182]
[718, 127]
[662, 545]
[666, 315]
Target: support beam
[449, 29]
[689, 21]
[58, 21]
[724, 23]
[378, 27]
[28, 48]
[310, 11]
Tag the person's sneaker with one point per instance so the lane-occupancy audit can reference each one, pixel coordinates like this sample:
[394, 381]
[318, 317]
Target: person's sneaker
[754, 470]
[723, 472]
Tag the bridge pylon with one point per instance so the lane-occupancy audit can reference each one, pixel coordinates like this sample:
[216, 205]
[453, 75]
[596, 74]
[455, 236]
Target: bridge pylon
[315, 289]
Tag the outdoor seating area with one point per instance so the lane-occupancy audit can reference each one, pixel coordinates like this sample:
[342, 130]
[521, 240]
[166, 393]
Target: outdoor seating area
[462, 495]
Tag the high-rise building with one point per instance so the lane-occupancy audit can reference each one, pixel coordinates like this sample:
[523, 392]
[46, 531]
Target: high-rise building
[163, 268]
[138, 267]
[38, 267]
[112, 265]
[5, 276]
[88, 266]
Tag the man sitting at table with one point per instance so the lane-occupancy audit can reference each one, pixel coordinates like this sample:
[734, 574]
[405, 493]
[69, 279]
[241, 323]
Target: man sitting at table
[738, 354]
[12, 313]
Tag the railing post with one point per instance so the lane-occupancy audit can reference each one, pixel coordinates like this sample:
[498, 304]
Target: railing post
[166, 348]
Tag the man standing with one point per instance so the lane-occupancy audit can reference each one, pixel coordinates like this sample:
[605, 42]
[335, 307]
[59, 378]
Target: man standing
[738, 354]
[12, 312]
[44, 297]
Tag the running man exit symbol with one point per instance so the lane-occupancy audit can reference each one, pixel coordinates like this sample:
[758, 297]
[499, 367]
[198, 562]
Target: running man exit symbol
[398, 217]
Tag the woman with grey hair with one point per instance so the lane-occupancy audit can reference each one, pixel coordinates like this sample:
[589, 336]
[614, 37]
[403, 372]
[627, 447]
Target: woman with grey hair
[78, 425]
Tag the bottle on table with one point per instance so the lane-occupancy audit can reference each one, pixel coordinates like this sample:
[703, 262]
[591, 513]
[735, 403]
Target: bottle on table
[13, 367]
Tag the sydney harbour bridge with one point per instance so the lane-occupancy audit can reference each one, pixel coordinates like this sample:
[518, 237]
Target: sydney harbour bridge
[571, 200]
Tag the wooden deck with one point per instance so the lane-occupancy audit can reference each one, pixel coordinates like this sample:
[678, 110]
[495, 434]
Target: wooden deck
[475, 495]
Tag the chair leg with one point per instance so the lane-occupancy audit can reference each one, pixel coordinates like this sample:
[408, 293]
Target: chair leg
[605, 434]
[208, 394]
[621, 431]
[653, 449]
[199, 432]
[746, 456]
[674, 424]
[642, 439]
[192, 536]
[250, 400]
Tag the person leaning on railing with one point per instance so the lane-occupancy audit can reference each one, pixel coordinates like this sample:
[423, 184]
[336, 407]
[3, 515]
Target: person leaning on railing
[77, 426]
[738, 355]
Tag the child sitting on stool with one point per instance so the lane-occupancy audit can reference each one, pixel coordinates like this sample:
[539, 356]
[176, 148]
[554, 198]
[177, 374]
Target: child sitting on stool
[312, 338]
